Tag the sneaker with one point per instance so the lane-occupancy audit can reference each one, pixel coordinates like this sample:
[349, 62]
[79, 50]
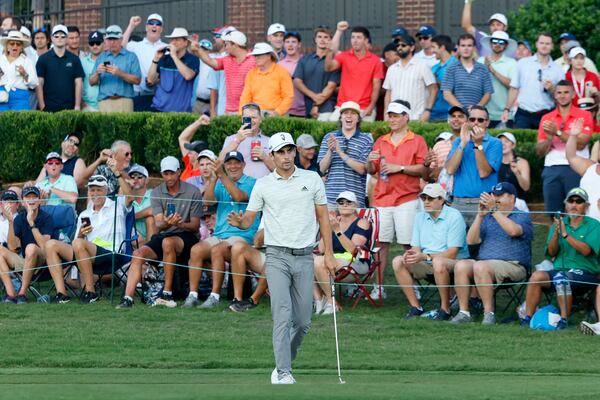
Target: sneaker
[62, 298]
[165, 300]
[589, 329]
[328, 309]
[210, 302]
[489, 318]
[191, 302]
[9, 299]
[461, 318]
[274, 377]
[562, 324]
[378, 291]
[525, 322]
[89, 297]
[285, 379]
[125, 303]
[438, 315]
[454, 306]
[476, 306]
[414, 312]
[247, 304]
[21, 299]
[320, 305]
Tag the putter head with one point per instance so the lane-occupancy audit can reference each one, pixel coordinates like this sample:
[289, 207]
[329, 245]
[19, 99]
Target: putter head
[342, 381]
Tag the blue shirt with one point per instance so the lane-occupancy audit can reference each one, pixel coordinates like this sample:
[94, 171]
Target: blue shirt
[468, 87]
[440, 107]
[216, 81]
[226, 205]
[340, 176]
[529, 79]
[436, 236]
[467, 182]
[22, 229]
[173, 92]
[111, 85]
[90, 93]
[311, 70]
[496, 244]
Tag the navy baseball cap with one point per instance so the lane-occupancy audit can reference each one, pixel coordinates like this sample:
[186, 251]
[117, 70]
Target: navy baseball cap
[95, 37]
[457, 108]
[10, 195]
[409, 40]
[504, 187]
[566, 36]
[426, 30]
[399, 31]
[31, 190]
[234, 155]
[293, 34]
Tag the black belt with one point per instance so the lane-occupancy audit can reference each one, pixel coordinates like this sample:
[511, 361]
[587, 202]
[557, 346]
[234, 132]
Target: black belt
[203, 100]
[536, 113]
[295, 252]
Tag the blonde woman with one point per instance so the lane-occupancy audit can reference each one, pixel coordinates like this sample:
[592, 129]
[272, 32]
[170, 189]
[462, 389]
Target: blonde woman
[17, 73]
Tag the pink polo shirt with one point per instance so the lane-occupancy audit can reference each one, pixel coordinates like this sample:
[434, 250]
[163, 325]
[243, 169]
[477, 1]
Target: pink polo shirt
[297, 107]
[235, 76]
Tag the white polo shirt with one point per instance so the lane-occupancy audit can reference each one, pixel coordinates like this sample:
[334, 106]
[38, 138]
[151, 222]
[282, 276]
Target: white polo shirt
[103, 223]
[288, 207]
[144, 51]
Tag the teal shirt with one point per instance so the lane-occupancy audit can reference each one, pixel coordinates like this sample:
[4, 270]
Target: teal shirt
[505, 66]
[111, 85]
[139, 205]
[65, 182]
[437, 236]
[567, 257]
[226, 205]
[90, 93]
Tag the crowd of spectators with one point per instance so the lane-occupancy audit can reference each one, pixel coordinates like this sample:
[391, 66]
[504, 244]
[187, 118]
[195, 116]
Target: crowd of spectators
[459, 209]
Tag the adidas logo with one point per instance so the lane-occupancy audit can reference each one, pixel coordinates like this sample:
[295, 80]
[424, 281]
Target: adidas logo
[304, 189]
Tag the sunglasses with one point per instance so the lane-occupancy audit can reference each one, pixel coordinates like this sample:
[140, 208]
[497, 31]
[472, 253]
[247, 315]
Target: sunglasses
[39, 30]
[97, 179]
[424, 197]
[57, 36]
[54, 162]
[18, 44]
[73, 142]
[403, 45]
[576, 200]
[129, 153]
[154, 22]
[344, 202]
[424, 37]
[92, 44]
[498, 41]
[137, 176]
[539, 75]
[480, 120]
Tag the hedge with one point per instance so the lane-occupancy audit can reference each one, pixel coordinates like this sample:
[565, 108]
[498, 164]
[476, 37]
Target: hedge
[28, 136]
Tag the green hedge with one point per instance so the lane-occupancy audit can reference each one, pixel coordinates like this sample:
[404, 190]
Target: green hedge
[28, 136]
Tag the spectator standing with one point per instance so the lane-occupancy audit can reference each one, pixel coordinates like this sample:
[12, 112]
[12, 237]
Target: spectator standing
[74, 41]
[56, 187]
[343, 156]
[235, 66]
[533, 85]
[410, 80]
[397, 158]
[201, 93]
[467, 82]
[17, 72]
[268, 84]
[567, 41]
[443, 48]
[293, 44]
[173, 71]
[502, 69]
[497, 22]
[474, 161]
[276, 37]
[145, 51]
[311, 79]
[424, 36]
[116, 71]
[585, 83]
[60, 76]
[514, 169]
[306, 151]
[558, 177]
[523, 50]
[41, 41]
[216, 79]
[361, 72]
[90, 93]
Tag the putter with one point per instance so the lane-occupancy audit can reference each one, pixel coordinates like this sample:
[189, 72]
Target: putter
[337, 346]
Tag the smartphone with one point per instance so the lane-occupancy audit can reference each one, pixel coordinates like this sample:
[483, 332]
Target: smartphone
[247, 122]
[170, 209]
[106, 63]
[85, 221]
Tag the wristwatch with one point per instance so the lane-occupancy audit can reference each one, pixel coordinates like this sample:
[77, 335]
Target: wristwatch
[338, 234]
[402, 168]
[559, 133]
[478, 147]
[428, 259]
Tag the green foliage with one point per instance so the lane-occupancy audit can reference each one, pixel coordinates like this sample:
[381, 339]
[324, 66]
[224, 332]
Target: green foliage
[579, 17]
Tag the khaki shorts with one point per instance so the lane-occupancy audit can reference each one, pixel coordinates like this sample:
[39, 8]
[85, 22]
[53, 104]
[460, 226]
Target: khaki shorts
[213, 240]
[397, 220]
[358, 266]
[505, 270]
[423, 269]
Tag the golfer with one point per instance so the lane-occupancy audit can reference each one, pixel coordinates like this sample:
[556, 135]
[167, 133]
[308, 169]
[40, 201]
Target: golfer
[288, 198]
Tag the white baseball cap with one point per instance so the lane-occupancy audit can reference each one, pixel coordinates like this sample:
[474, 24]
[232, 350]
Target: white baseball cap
[154, 17]
[236, 37]
[279, 140]
[511, 45]
[509, 136]
[347, 195]
[261, 48]
[178, 33]
[350, 105]
[575, 51]
[114, 32]
[137, 169]
[169, 163]
[443, 136]
[397, 108]
[25, 31]
[274, 28]
[500, 18]
[60, 28]
[434, 190]
[208, 154]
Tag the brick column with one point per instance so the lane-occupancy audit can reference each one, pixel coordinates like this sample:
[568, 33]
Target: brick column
[87, 18]
[248, 17]
[414, 13]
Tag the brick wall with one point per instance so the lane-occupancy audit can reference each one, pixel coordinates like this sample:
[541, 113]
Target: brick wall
[414, 13]
[87, 19]
[249, 17]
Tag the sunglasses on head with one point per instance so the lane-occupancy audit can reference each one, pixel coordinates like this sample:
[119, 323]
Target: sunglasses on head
[39, 30]
[97, 179]
[424, 37]
[53, 162]
[576, 200]
[498, 41]
[477, 119]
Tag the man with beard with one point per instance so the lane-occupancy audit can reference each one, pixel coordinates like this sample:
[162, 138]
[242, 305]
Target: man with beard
[410, 80]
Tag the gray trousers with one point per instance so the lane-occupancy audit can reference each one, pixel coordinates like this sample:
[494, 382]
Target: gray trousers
[290, 280]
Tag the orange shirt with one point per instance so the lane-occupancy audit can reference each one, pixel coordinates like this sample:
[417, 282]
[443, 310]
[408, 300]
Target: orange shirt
[188, 172]
[271, 90]
[400, 188]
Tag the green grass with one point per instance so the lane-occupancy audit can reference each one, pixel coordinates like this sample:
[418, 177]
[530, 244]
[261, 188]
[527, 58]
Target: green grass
[96, 352]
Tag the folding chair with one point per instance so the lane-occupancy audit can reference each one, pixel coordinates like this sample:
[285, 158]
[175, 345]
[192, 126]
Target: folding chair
[371, 254]
[514, 290]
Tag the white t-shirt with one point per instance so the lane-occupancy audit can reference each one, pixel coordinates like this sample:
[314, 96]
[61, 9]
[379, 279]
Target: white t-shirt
[145, 51]
[429, 60]
[590, 182]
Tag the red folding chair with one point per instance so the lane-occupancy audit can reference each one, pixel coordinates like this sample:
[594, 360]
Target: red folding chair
[364, 253]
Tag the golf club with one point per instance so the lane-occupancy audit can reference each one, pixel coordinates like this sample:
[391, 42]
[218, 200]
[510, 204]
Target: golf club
[337, 346]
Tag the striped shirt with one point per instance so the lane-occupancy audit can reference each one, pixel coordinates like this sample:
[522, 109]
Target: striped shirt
[409, 82]
[468, 87]
[340, 176]
[235, 77]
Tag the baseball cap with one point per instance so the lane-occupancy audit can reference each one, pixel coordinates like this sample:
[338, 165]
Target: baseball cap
[524, 43]
[347, 195]
[443, 136]
[570, 44]
[293, 34]
[196, 145]
[426, 30]
[25, 31]
[279, 140]
[567, 36]
[178, 33]
[60, 28]
[511, 45]
[263, 48]
[234, 155]
[350, 105]
[114, 32]
[500, 18]
[169, 163]
[509, 136]
[236, 37]
[434, 190]
[206, 44]
[306, 141]
[95, 37]
[137, 169]
[53, 156]
[586, 103]
[98, 180]
[453, 109]
[406, 38]
[575, 51]
[154, 17]
[208, 154]
[504, 187]
[399, 31]
[31, 190]
[579, 192]
[274, 28]
[10, 195]
[397, 108]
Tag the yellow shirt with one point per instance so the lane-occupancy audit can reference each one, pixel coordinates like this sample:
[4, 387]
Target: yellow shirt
[271, 90]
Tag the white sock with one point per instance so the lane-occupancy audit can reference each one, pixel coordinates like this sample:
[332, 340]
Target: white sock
[215, 295]
[467, 313]
[167, 292]
[194, 294]
[128, 298]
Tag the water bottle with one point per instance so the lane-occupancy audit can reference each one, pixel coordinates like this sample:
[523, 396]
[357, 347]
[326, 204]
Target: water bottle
[43, 299]
[562, 285]
[382, 175]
